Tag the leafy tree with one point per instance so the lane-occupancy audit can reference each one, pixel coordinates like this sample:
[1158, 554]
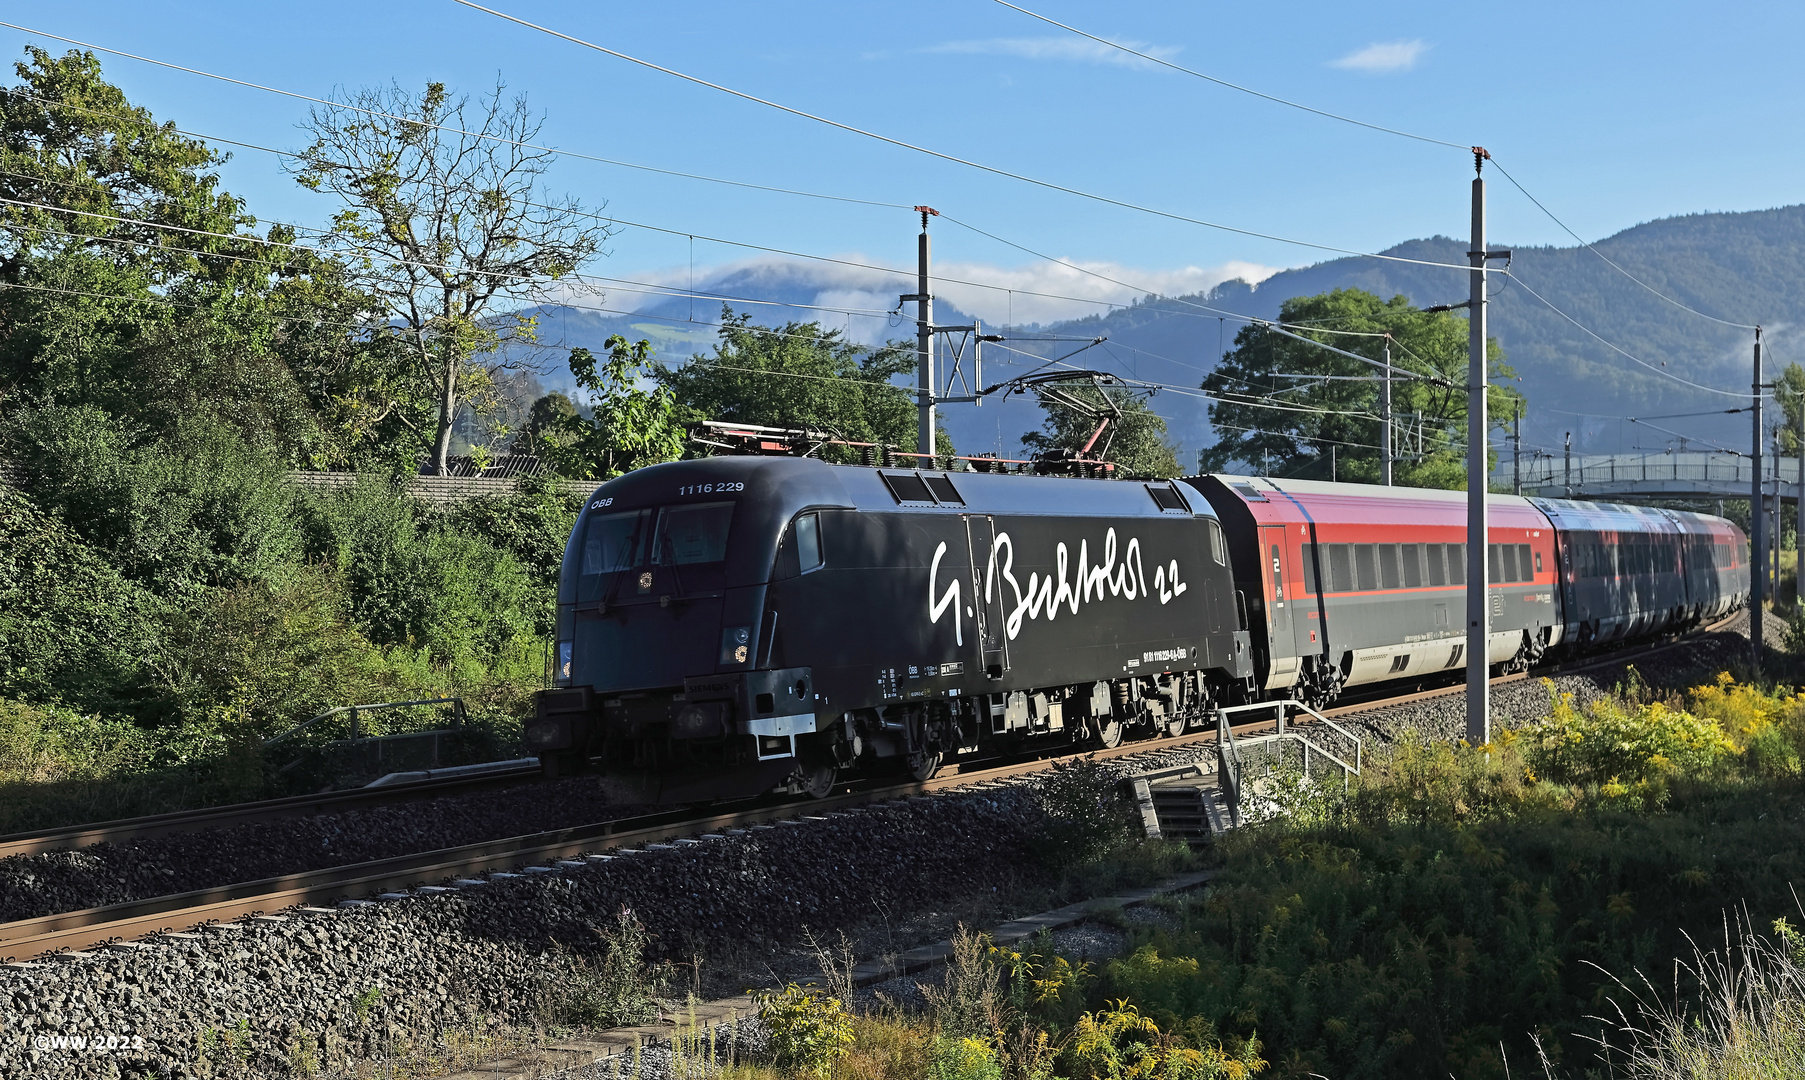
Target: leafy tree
[1789, 391]
[139, 287]
[633, 422]
[801, 375]
[543, 429]
[1136, 443]
[1281, 403]
[444, 222]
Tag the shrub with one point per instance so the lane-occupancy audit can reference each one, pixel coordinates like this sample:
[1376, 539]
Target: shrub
[420, 582]
[72, 628]
[1119, 1043]
[1611, 743]
[1087, 818]
[963, 1059]
[193, 508]
[969, 999]
[533, 524]
[260, 657]
[809, 1032]
[618, 988]
[47, 744]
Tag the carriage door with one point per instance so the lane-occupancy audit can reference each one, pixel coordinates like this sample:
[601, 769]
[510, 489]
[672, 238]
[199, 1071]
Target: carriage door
[1279, 605]
[980, 537]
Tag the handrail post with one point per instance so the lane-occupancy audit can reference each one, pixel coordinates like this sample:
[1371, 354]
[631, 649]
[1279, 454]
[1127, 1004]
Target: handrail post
[356, 730]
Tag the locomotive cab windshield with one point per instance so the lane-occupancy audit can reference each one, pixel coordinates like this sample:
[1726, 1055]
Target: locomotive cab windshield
[683, 547]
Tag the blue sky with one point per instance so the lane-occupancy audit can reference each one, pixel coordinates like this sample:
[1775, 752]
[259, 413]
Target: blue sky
[1612, 114]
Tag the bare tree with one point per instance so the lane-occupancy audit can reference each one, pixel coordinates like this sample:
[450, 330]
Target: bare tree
[445, 222]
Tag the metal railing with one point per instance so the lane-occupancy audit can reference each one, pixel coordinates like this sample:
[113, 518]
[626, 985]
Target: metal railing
[357, 711]
[1228, 747]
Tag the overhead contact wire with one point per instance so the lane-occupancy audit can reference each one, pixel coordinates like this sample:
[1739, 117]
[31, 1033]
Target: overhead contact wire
[942, 155]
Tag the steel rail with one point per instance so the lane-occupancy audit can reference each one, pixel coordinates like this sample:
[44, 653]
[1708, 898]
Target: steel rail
[76, 836]
[81, 930]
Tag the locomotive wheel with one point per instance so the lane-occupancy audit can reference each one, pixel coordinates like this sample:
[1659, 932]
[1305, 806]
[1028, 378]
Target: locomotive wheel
[1176, 726]
[1109, 733]
[818, 781]
[924, 765]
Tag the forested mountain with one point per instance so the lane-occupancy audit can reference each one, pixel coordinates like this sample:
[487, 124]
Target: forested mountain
[1742, 267]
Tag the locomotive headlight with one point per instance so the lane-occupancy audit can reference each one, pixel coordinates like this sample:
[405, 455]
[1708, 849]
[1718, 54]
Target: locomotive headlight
[564, 650]
[736, 644]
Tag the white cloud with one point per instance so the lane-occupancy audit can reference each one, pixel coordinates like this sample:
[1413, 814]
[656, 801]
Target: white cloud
[997, 295]
[1383, 56]
[999, 305]
[1056, 48]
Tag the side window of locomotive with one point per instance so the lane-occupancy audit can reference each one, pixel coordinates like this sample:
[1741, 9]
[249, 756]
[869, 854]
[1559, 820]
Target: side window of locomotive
[688, 535]
[801, 549]
[1218, 551]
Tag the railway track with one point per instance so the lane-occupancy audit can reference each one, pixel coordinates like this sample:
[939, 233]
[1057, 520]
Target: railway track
[75, 932]
[331, 802]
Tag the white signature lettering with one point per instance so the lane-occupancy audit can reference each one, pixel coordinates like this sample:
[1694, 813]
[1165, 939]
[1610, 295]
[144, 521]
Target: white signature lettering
[1044, 595]
[950, 598]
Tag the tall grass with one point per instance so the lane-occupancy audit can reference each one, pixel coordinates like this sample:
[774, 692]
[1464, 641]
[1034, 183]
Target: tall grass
[1744, 1021]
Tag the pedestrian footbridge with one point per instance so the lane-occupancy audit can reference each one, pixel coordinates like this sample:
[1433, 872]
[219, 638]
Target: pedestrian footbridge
[1640, 477]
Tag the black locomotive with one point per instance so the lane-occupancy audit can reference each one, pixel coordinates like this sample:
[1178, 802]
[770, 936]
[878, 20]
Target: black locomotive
[734, 624]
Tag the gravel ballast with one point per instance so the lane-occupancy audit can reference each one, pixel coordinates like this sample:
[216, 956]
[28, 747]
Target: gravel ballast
[374, 979]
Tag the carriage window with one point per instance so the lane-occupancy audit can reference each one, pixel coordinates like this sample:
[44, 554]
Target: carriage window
[1341, 570]
[1363, 565]
[1457, 564]
[1413, 566]
[1493, 569]
[1308, 556]
[1388, 566]
[1538, 561]
[692, 534]
[1523, 571]
[1437, 574]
